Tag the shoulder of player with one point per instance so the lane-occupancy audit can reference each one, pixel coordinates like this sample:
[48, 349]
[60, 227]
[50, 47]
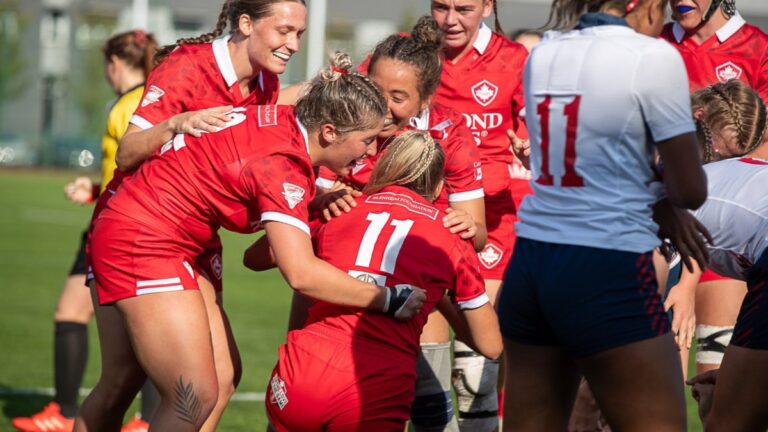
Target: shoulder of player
[506, 51]
[439, 114]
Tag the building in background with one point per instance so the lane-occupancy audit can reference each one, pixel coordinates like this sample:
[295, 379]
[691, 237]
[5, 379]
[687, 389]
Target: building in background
[53, 95]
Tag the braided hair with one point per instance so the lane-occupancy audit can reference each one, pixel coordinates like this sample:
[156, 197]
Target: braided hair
[348, 100]
[413, 160]
[231, 11]
[733, 104]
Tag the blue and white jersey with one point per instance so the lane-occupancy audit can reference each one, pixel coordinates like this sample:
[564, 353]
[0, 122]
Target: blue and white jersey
[597, 99]
[736, 214]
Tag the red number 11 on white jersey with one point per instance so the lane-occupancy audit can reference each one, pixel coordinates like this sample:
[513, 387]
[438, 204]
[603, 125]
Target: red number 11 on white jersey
[556, 140]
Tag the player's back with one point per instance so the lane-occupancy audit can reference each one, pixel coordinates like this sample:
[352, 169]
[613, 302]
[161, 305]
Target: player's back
[736, 214]
[196, 185]
[595, 104]
[394, 237]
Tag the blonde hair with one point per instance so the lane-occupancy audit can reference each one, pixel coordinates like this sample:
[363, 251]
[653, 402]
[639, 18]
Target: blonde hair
[565, 14]
[734, 104]
[413, 160]
[347, 100]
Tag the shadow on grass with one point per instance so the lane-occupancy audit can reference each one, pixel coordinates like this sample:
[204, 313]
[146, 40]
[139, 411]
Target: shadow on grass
[21, 404]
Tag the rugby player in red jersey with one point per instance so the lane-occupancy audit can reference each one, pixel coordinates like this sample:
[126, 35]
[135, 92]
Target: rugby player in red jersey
[256, 171]
[483, 79]
[348, 369]
[191, 91]
[717, 45]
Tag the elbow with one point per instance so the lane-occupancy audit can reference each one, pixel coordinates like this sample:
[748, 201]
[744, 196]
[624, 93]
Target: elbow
[692, 197]
[481, 237]
[297, 279]
[123, 164]
[492, 349]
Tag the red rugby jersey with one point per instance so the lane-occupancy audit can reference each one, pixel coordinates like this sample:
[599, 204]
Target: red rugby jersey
[736, 51]
[395, 237]
[256, 169]
[486, 86]
[463, 173]
[198, 76]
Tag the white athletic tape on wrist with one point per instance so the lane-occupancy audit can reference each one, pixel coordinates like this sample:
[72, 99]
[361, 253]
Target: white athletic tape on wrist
[711, 342]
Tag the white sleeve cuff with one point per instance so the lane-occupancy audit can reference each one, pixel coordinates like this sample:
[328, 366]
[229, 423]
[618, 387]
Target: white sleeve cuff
[466, 196]
[324, 183]
[286, 219]
[140, 122]
[475, 302]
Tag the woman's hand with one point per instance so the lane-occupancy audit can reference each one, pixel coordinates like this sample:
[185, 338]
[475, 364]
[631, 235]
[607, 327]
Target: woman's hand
[196, 122]
[460, 221]
[682, 301]
[338, 200]
[521, 148]
[80, 191]
[703, 388]
[685, 232]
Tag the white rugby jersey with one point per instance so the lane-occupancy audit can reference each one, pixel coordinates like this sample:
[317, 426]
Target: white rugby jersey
[736, 214]
[596, 100]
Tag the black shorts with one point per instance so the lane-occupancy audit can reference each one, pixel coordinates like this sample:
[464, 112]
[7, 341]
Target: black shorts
[79, 267]
[583, 299]
[752, 326]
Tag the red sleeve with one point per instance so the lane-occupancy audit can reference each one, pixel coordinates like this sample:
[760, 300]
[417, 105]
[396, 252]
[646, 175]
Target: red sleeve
[469, 291]
[762, 81]
[463, 173]
[280, 189]
[168, 86]
[325, 178]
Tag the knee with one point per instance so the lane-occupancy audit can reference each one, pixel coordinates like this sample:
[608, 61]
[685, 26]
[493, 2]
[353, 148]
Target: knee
[432, 408]
[192, 400]
[475, 380]
[229, 379]
[432, 412]
[117, 389]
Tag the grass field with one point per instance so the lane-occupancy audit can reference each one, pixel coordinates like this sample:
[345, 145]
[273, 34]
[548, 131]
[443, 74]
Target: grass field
[39, 231]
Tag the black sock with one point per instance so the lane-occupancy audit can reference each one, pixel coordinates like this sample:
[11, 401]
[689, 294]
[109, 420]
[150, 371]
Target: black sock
[150, 400]
[70, 349]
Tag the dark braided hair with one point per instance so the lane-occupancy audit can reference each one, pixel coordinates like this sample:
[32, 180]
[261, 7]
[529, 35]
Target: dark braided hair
[734, 104]
[420, 49]
[231, 11]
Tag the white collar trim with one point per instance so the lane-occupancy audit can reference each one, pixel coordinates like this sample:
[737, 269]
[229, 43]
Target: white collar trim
[221, 53]
[483, 38]
[420, 121]
[304, 134]
[730, 28]
[733, 25]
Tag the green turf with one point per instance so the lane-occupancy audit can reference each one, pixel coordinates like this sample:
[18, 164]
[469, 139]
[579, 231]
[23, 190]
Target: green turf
[39, 232]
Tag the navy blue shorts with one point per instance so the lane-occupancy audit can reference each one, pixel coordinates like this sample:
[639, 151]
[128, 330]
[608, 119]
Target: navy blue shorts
[752, 326]
[79, 266]
[583, 299]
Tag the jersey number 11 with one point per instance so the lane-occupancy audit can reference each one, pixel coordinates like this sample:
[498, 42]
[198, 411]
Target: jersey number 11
[571, 112]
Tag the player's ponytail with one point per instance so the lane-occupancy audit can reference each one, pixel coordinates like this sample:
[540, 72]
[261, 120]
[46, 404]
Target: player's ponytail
[730, 104]
[413, 160]
[231, 11]
[565, 14]
[420, 49]
[136, 48]
[496, 22]
[347, 100]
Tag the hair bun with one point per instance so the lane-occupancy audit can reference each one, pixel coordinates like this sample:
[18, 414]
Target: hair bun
[341, 63]
[426, 31]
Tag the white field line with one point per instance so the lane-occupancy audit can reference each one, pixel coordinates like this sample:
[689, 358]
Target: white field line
[48, 391]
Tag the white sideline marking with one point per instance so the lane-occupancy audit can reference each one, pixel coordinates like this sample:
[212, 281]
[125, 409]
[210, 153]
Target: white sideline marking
[48, 391]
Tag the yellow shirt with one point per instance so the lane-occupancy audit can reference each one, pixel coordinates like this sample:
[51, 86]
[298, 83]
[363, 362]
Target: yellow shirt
[117, 122]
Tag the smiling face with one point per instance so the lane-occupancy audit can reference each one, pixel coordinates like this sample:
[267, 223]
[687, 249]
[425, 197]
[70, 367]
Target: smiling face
[460, 20]
[272, 40]
[398, 82]
[345, 150]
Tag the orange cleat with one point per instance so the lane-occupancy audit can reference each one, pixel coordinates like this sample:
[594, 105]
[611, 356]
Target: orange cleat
[135, 425]
[47, 420]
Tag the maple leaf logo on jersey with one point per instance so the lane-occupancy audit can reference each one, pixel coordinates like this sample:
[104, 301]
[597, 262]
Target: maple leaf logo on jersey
[728, 71]
[490, 257]
[153, 95]
[485, 92]
[279, 394]
[293, 194]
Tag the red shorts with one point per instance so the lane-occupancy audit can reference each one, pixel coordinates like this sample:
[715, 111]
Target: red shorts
[500, 218]
[320, 383]
[709, 275]
[130, 260]
[209, 263]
